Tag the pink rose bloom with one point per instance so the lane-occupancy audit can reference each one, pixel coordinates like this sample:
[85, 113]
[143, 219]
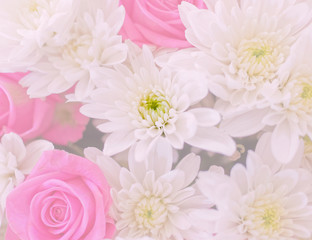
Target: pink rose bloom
[67, 124]
[155, 22]
[18, 113]
[64, 197]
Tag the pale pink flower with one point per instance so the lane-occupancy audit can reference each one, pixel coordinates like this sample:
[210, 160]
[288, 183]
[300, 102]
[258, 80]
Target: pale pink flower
[155, 22]
[51, 118]
[20, 114]
[64, 197]
[67, 124]
[16, 162]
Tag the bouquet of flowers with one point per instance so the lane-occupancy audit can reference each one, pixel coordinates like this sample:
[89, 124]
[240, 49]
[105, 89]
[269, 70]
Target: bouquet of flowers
[156, 119]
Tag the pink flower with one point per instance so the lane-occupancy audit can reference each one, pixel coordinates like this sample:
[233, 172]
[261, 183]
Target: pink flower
[18, 113]
[64, 197]
[67, 124]
[155, 22]
[52, 118]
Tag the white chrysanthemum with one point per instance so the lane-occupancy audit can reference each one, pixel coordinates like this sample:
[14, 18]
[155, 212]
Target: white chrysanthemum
[291, 106]
[93, 42]
[257, 203]
[248, 41]
[142, 103]
[16, 161]
[152, 200]
[245, 43]
[26, 26]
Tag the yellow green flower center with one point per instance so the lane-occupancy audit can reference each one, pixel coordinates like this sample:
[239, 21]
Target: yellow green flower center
[306, 92]
[263, 217]
[150, 213]
[256, 57]
[260, 52]
[271, 219]
[154, 107]
[257, 60]
[307, 145]
[300, 88]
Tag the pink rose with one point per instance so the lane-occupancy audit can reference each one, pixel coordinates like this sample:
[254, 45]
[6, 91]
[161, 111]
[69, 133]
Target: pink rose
[155, 22]
[18, 113]
[64, 197]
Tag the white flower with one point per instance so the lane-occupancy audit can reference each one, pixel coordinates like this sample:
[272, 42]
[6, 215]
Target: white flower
[152, 200]
[143, 103]
[291, 108]
[302, 158]
[17, 161]
[258, 203]
[247, 41]
[92, 43]
[26, 26]
[265, 75]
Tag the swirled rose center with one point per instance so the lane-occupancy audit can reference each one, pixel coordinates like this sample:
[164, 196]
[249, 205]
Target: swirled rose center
[58, 213]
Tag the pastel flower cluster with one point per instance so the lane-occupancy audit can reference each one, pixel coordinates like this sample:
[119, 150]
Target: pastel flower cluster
[201, 119]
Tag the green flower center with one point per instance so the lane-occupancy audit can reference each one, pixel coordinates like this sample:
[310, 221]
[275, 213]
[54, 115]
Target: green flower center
[151, 213]
[154, 107]
[306, 92]
[264, 217]
[259, 52]
[271, 219]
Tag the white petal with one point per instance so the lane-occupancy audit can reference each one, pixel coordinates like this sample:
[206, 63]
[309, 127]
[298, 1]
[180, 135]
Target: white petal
[186, 125]
[180, 220]
[143, 148]
[160, 158]
[285, 142]
[14, 144]
[138, 168]
[34, 151]
[190, 166]
[214, 140]
[117, 142]
[206, 117]
[244, 124]
[126, 178]
[238, 174]
[264, 150]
